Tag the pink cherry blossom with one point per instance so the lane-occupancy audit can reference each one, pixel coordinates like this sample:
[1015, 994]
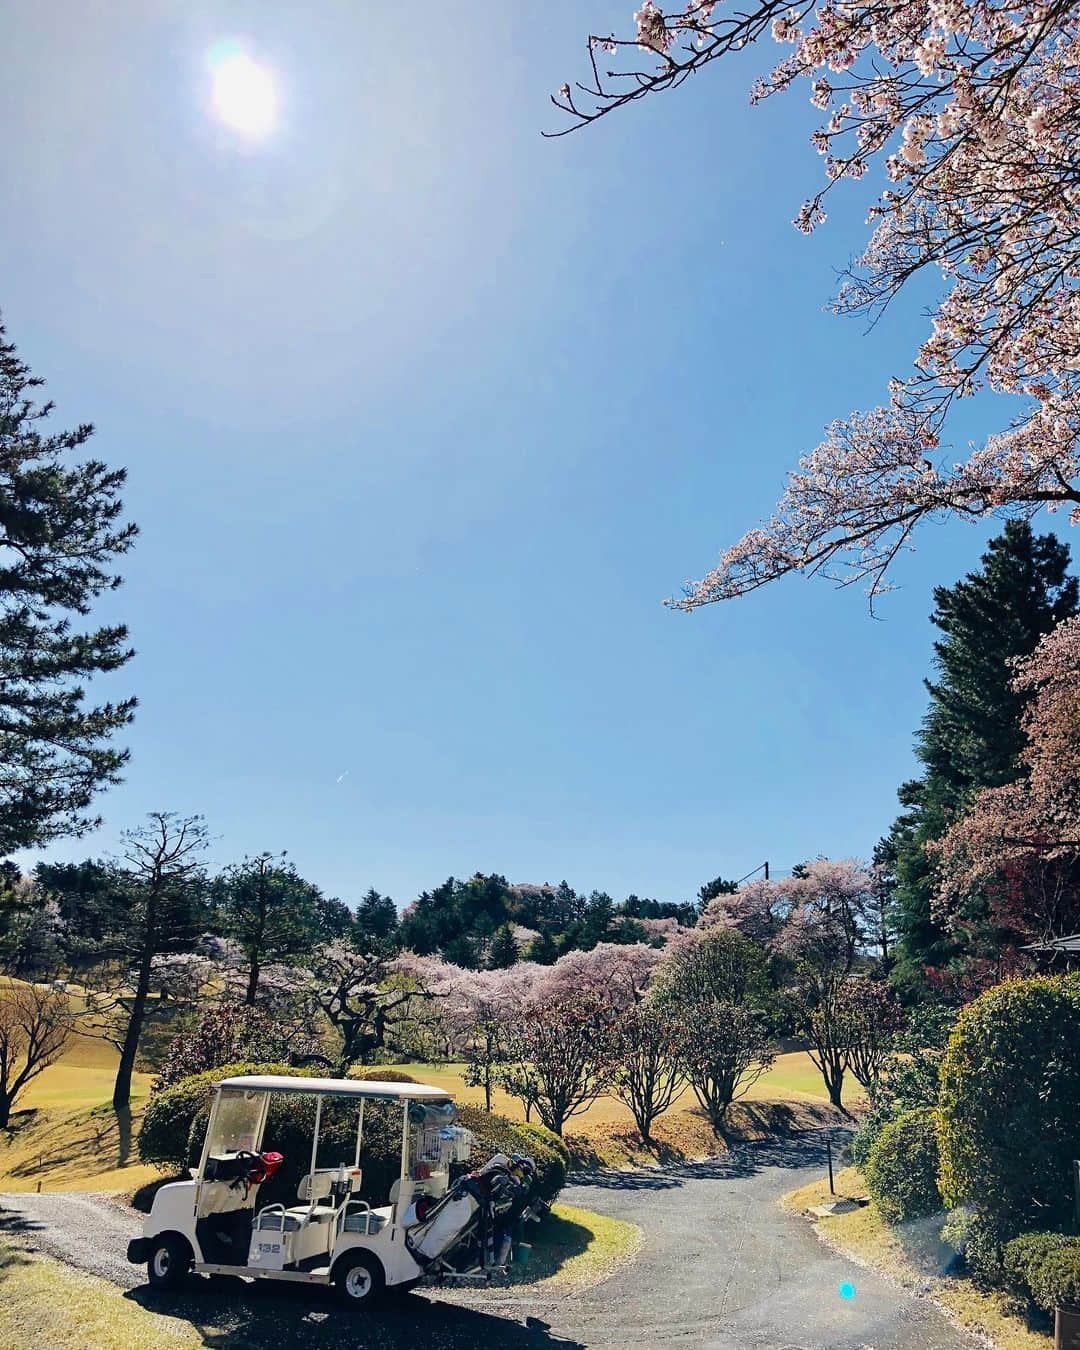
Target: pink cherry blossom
[971, 110]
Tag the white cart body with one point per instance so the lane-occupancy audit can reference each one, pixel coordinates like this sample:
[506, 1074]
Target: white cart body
[217, 1214]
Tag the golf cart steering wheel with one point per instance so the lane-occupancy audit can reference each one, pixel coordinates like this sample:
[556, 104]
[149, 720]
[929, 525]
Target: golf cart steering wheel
[252, 1170]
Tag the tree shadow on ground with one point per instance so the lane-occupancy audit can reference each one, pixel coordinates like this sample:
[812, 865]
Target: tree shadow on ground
[553, 1242]
[794, 1152]
[74, 1145]
[229, 1314]
[17, 1224]
[11, 1258]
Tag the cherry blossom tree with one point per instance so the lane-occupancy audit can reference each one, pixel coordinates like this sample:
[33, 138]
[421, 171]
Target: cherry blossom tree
[821, 921]
[1022, 840]
[872, 1017]
[617, 972]
[724, 1050]
[647, 1073]
[560, 1055]
[969, 111]
[716, 990]
[826, 910]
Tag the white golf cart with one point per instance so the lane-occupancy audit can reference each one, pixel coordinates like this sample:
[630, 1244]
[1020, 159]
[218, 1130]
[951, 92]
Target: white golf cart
[441, 1221]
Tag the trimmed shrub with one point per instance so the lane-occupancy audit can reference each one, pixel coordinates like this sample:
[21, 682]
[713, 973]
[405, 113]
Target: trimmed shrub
[976, 1240]
[866, 1136]
[166, 1124]
[1046, 1267]
[1009, 1102]
[902, 1166]
[496, 1134]
[380, 1073]
[541, 1135]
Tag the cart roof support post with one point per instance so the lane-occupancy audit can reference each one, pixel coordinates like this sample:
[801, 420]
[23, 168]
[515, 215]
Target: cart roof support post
[359, 1132]
[402, 1197]
[315, 1140]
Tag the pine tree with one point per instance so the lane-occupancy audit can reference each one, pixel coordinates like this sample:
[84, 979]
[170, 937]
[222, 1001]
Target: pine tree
[503, 951]
[59, 538]
[971, 737]
[271, 912]
[376, 923]
[542, 949]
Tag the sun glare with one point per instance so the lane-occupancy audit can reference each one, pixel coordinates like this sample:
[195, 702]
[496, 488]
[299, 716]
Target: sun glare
[244, 93]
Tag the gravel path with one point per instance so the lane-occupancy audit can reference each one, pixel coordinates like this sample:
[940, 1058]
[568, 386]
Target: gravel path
[722, 1266]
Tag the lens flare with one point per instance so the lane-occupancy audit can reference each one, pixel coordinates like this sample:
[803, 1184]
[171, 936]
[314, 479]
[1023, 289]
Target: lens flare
[243, 93]
[847, 1290]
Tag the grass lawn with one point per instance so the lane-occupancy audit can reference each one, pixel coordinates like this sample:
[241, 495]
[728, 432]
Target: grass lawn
[863, 1235]
[793, 1078]
[65, 1134]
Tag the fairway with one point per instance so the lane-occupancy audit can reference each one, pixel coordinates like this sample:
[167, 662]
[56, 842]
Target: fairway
[792, 1078]
[72, 1141]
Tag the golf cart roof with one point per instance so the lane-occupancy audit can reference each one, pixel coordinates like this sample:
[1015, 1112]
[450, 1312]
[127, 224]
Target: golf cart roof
[337, 1087]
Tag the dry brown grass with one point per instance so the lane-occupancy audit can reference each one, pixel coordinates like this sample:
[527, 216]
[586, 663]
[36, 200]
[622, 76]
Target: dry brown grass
[686, 1135]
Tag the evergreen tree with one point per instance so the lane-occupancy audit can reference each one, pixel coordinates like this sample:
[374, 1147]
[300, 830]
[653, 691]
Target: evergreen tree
[60, 535]
[376, 924]
[711, 889]
[503, 951]
[970, 737]
[596, 924]
[461, 951]
[542, 949]
[270, 910]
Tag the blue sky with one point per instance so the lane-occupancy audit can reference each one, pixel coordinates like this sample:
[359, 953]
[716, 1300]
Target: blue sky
[425, 415]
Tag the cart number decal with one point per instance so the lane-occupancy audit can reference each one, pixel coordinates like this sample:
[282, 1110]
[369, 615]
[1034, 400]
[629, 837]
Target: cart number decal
[270, 1247]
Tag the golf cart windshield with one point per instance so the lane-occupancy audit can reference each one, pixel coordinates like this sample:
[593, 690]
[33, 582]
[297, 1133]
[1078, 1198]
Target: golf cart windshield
[237, 1121]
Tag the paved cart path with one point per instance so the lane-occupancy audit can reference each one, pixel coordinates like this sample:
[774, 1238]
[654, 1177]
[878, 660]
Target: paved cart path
[722, 1266]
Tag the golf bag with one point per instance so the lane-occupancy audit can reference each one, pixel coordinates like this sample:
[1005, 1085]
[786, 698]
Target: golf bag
[470, 1230]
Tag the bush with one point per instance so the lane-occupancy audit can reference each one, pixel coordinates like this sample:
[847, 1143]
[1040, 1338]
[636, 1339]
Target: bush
[166, 1125]
[1009, 1101]
[496, 1134]
[380, 1073]
[975, 1238]
[1046, 1267]
[866, 1136]
[902, 1166]
[909, 1076]
[545, 1138]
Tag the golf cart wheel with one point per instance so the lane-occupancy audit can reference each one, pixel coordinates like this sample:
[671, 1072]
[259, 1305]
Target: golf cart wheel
[359, 1279]
[169, 1262]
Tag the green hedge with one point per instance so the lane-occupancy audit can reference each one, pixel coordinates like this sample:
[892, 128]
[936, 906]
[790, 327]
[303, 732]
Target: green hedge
[1046, 1267]
[1009, 1102]
[902, 1166]
[166, 1123]
[496, 1134]
[174, 1125]
[380, 1073]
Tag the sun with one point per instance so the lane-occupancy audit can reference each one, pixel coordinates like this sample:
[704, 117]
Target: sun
[243, 92]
